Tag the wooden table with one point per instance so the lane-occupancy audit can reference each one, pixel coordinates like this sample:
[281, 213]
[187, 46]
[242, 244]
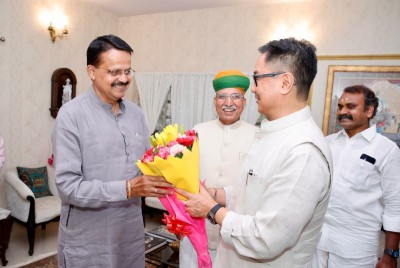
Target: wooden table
[163, 257]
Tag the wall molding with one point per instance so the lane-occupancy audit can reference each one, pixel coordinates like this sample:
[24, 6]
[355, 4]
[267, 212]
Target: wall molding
[360, 57]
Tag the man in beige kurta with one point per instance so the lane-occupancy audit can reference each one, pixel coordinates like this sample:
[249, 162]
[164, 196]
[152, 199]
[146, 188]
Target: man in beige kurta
[224, 143]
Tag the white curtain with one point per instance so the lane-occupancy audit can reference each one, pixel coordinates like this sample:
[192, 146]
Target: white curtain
[250, 113]
[192, 99]
[153, 89]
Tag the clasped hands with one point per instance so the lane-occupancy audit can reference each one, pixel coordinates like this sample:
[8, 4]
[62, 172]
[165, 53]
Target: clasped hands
[155, 186]
[197, 205]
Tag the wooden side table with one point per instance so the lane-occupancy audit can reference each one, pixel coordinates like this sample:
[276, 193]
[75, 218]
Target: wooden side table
[163, 257]
[5, 231]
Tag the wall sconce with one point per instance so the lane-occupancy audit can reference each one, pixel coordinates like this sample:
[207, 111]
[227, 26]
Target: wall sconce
[54, 35]
[299, 30]
[55, 21]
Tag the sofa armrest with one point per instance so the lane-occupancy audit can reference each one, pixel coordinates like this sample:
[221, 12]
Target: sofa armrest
[17, 194]
[17, 185]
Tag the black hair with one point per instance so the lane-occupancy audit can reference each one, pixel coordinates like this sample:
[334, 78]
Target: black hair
[102, 44]
[369, 96]
[298, 56]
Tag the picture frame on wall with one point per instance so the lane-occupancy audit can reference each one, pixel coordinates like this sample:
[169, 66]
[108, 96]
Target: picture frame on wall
[383, 80]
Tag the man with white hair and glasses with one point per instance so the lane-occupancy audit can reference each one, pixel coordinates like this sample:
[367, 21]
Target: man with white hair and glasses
[224, 143]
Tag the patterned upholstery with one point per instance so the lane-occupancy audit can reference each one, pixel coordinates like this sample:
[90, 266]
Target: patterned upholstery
[28, 210]
[36, 179]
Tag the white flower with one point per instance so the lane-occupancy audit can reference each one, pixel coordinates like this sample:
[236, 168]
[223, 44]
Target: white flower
[176, 149]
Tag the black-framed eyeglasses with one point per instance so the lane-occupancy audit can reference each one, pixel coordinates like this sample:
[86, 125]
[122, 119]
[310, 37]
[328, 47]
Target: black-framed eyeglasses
[258, 76]
[119, 72]
[234, 96]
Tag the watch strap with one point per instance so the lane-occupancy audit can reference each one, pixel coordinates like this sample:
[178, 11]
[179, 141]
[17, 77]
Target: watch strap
[394, 253]
[211, 214]
[215, 209]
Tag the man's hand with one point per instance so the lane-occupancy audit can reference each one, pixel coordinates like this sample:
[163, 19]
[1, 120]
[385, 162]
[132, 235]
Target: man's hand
[386, 262]
[392, 240]
[198, 205]
[149, 186]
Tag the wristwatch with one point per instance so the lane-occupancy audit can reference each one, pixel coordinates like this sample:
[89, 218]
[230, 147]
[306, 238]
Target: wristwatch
[394, 253]
[211, 214]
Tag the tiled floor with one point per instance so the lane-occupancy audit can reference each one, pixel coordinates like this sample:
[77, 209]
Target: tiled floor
[45, 242]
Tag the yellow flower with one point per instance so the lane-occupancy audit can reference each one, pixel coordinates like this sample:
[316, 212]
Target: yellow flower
[169, 133]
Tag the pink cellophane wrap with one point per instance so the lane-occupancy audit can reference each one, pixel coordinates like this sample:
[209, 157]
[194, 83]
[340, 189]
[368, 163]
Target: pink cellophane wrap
[179, 222]
[183, 173]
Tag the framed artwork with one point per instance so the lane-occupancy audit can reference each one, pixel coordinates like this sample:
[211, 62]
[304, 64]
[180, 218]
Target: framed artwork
[383, 80]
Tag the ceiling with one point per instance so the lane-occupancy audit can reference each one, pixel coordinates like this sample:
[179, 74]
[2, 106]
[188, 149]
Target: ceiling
[124, 8]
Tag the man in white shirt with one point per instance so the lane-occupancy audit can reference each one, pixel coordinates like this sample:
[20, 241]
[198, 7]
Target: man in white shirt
[277, 204]
[224, 143]
[365, 191]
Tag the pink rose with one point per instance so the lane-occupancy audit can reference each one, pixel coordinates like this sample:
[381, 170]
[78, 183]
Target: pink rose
[172, 143]
[190, 132]
[186, 140]
[163, 152]
[176, 149]
[148, 156]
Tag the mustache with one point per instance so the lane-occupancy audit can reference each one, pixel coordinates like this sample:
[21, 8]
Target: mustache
[116, 84]
[229, 107]
[344, 116]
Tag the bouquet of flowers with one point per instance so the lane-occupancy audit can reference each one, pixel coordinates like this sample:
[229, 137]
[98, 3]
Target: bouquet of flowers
[175, 156]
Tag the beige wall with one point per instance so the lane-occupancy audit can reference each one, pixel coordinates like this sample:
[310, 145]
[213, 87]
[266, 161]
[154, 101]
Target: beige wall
[27, 60]
[211, 40]
[206, 40]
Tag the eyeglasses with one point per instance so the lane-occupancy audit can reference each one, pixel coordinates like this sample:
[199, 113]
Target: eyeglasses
[258, 76]
[118, 72]
[234, 97]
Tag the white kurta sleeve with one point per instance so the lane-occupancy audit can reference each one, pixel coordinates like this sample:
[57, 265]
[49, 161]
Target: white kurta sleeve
[391, 191]
[288, 205]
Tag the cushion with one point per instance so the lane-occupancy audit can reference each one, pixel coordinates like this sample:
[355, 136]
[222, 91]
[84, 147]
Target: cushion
[36, 179]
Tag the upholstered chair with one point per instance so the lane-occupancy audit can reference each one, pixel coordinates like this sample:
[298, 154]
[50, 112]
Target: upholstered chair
[28, 210]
